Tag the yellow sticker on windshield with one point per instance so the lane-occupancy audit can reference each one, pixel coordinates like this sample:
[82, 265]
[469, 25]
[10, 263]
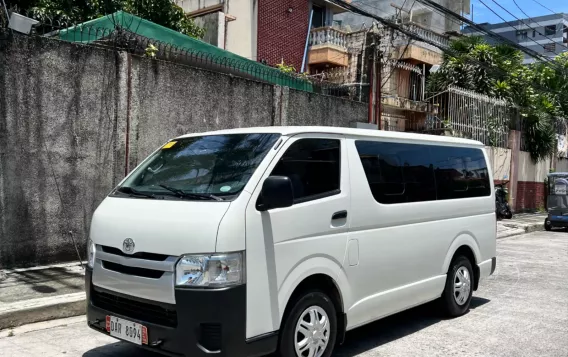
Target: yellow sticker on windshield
[169, 145]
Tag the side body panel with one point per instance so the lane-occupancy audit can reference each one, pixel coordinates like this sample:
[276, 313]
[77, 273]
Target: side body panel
[405, 249]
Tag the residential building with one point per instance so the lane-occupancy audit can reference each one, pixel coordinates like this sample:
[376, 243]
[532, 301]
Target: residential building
[405, 62]
[547, 35]
[408, 11]
[273, 31]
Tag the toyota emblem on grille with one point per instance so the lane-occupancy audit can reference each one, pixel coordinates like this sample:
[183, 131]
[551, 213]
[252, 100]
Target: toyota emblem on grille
[128, 245]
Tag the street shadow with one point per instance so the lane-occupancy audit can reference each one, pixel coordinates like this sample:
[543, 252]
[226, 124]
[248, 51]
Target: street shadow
[357, 341]
[120, 349]
[44, 289]
[394, 327]
[62, 276]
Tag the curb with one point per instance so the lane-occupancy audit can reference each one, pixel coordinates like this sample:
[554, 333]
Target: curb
[511, 233]
[42, 309]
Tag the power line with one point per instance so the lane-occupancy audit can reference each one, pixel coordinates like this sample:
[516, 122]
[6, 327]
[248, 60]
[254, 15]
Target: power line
[496, 14]
[524, 23]
[491, 34]
[391, 24]
[544, 6]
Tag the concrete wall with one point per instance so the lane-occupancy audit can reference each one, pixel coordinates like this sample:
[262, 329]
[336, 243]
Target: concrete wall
[59, 128]
[500, 160]
[172, 100]
[64, 114]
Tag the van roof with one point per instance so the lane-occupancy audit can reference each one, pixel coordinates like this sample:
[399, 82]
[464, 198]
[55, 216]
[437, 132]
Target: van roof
[293, 130]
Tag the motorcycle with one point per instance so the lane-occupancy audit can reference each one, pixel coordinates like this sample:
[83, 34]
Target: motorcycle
[502, 208]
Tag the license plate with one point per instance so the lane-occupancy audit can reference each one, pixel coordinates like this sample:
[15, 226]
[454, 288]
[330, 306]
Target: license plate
[127, 330]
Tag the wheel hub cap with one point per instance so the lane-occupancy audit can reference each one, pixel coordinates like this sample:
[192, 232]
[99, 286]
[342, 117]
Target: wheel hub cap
[462, 285]
[312, 332]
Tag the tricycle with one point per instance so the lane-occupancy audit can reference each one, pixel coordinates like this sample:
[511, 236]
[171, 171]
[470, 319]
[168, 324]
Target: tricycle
[557, 203]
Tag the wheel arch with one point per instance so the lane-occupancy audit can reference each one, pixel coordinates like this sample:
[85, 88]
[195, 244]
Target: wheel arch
[317, 273]
[465, 245]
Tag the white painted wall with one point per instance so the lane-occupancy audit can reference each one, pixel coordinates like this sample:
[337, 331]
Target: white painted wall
[242, 33]
[529, 171]
[500, 160]
[240, 36]
[561, 165]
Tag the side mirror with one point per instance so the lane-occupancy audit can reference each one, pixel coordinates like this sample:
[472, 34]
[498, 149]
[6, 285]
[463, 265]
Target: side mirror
[277, 192]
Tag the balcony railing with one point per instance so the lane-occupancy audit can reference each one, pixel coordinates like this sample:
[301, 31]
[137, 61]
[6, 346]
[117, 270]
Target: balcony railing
[428, 34]
[328, 36]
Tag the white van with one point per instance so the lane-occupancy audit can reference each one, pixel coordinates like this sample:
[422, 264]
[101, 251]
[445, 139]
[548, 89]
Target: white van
[249, 241]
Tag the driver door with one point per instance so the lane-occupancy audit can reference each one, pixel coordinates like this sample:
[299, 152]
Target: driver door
[312, 232]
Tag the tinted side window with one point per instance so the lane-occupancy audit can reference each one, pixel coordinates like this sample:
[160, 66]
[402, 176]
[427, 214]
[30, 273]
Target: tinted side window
[460, 172]
[313, 166]
[398, 173]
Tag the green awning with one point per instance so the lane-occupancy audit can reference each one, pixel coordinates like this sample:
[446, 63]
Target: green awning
[98, 29]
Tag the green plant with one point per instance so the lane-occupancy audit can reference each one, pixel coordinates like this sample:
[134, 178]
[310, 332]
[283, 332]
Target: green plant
[540, 91]
[285, 68]
[151, 51]
[163, 12]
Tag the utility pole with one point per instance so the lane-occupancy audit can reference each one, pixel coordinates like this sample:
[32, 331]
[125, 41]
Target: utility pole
[378, 91]
[374, 70]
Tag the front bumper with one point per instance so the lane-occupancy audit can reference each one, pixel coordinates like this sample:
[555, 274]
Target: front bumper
[201, 323]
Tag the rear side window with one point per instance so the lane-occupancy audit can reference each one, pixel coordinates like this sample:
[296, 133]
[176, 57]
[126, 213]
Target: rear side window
[398, 173]
[313, 166]
[402, 173]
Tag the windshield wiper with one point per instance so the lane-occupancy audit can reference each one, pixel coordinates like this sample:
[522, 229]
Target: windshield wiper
[183, 194]
[132, 191]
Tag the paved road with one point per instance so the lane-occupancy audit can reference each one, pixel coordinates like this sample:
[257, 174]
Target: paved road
[521, 311]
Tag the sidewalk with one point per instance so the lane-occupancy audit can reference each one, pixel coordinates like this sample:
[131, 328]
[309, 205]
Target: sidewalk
[40, 294]
[520, 224]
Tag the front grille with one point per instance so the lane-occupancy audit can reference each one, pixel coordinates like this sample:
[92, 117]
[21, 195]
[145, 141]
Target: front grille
[139, 255]
[210, 336]
[159, 314]
[124, 269]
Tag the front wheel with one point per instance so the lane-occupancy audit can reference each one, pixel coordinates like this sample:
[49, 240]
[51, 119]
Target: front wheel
[459, 287]
[310, 328]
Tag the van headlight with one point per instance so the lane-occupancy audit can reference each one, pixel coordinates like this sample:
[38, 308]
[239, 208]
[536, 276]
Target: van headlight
[91, 248]
[210, 270]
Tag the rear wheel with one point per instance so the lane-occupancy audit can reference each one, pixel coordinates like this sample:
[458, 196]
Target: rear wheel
[547, 225]
[457, 294]
[310, 328]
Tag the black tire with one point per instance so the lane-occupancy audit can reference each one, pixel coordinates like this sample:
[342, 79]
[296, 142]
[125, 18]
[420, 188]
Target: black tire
[547, 225]
[509, 214]
[449, 303]
[286, 345]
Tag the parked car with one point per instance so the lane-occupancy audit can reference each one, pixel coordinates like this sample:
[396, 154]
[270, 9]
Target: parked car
[250, 241]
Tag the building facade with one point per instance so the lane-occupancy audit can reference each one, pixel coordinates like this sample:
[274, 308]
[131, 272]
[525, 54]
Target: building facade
[273, 31]
[546, 35]
[408, 11]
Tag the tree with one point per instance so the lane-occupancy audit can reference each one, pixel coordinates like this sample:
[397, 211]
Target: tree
[162, 12]
[540, 90]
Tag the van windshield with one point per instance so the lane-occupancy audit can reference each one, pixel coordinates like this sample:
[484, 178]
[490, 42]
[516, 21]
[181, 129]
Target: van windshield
[212, 167]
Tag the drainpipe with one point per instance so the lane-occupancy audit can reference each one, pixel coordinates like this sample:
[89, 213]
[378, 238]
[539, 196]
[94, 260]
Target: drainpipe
[378, 91]
[371, 89]
[363, 64]
[423, 81]
[307, 41]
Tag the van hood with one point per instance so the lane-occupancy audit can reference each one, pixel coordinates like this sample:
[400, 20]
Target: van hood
[158, 226]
